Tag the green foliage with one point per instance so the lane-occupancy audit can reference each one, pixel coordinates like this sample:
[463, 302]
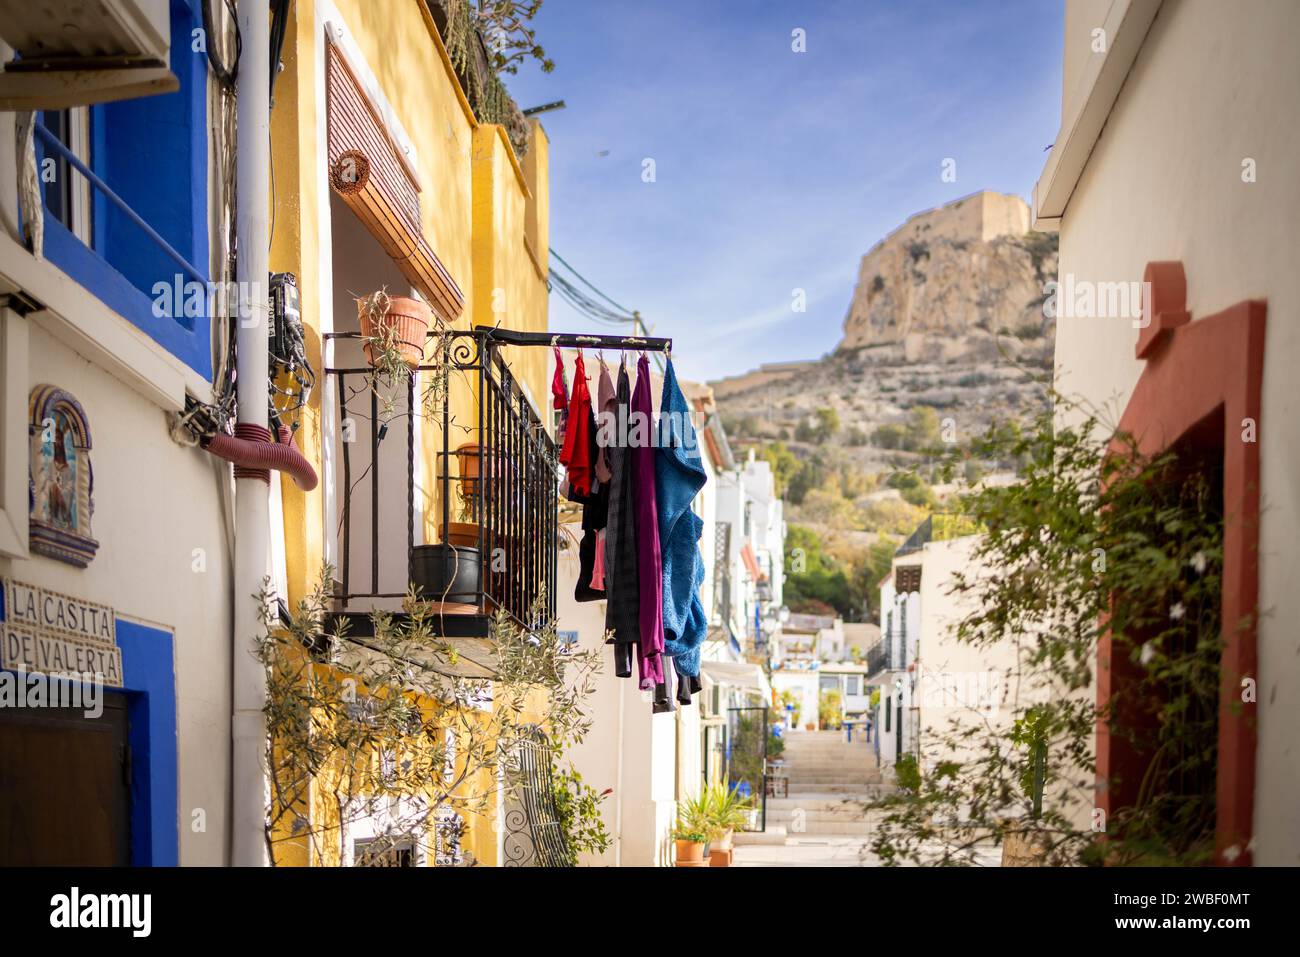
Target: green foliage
[789, 697]
[810, 475]
[694, 820]
[913, 489]
[381, 728]
[784, 464]
[775, 745]
[949, 525]
[725, 810]
[830, 710]
[828, 423]
[1095, 536]
[812, 574]
[889, 436]
[577, 807]
[922, 427]
[890, 517]
[908, 773]
[1030, 731]
[746, 759]
[919, 433]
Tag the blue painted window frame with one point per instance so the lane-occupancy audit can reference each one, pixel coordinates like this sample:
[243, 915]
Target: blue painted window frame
[184, 184]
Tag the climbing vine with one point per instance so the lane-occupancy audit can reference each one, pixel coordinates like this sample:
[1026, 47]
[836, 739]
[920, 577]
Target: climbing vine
[504, 27]
[1096, 539]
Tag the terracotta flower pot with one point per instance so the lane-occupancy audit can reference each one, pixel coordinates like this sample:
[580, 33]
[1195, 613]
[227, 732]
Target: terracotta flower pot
[720, 857]
[463, 534]
[690, 854]
[408, 320]
[469, 455]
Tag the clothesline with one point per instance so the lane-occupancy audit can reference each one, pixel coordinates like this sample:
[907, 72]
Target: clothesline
[640, 545]
[571, 340]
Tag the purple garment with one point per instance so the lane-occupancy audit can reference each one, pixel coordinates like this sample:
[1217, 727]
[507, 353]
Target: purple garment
[646, 519]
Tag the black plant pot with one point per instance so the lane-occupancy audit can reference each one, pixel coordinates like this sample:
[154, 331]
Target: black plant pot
[447, 573]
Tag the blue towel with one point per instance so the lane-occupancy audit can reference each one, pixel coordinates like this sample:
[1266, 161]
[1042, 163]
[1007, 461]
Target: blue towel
[679, 476]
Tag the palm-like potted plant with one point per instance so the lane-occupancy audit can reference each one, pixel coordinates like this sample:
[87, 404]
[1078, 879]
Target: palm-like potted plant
[691, 832]
[727, 812]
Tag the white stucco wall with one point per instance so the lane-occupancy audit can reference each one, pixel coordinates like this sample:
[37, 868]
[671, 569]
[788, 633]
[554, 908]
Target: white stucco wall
[155, 503]
[1213, 84]
[959, 685]
[628, 748]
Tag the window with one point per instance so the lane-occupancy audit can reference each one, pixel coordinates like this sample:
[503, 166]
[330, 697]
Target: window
[152, 152]
[380, 852]
[853, 685]
[829, 683]
[66, 192]
[889, 707]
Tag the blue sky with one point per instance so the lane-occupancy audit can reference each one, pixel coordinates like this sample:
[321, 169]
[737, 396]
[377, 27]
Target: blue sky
[774, 170]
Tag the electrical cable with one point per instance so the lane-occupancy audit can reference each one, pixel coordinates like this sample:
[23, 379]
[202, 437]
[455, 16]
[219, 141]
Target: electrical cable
[225, 75]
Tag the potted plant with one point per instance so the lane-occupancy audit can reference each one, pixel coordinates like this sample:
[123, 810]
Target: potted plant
[691, 832]
[465, 533]
[393, 328]
[727, 811]
[447, 573]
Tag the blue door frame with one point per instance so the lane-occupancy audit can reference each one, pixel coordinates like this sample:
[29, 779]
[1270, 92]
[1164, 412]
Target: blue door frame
[149, 683]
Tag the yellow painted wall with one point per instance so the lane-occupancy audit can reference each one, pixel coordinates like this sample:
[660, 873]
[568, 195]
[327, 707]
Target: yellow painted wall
[477, 204]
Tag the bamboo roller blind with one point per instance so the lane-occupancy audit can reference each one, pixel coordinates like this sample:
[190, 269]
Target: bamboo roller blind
[368, 175]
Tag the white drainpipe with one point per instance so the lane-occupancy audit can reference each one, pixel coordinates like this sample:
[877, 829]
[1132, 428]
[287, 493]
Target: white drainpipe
[252, 521]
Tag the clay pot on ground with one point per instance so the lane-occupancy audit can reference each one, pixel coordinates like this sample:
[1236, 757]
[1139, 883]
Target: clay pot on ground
[405, 320]
[690, 854]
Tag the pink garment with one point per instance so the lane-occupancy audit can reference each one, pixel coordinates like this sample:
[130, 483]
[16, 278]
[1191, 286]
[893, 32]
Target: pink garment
[598, 566]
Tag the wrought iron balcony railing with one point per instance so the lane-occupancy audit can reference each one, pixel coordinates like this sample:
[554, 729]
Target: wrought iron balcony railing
[492, 527]
[883, 656]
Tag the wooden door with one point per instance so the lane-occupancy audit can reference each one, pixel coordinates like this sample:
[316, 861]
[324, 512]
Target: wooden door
[65, 786]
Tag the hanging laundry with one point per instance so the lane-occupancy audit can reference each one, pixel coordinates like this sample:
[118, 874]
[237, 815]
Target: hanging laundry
[606, 421]
[662, 702]
[560, 402]
[679, 476]
[595, 515]
[559, 397]
[575, 454]
[622, 592]
[649, 561]
[598, 563]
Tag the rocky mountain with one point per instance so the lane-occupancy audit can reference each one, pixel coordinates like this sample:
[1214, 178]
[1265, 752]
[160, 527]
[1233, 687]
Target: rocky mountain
[952, 275]
[946, 314]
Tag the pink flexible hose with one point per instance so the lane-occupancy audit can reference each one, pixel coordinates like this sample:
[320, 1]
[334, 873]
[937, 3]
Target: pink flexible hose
[255, 455]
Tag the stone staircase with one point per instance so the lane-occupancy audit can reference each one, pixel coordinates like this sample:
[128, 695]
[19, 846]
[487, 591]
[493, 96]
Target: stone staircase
[829, 781]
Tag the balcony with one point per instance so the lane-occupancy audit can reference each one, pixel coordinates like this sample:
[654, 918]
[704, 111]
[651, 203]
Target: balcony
[882, 657]
[475, 537]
